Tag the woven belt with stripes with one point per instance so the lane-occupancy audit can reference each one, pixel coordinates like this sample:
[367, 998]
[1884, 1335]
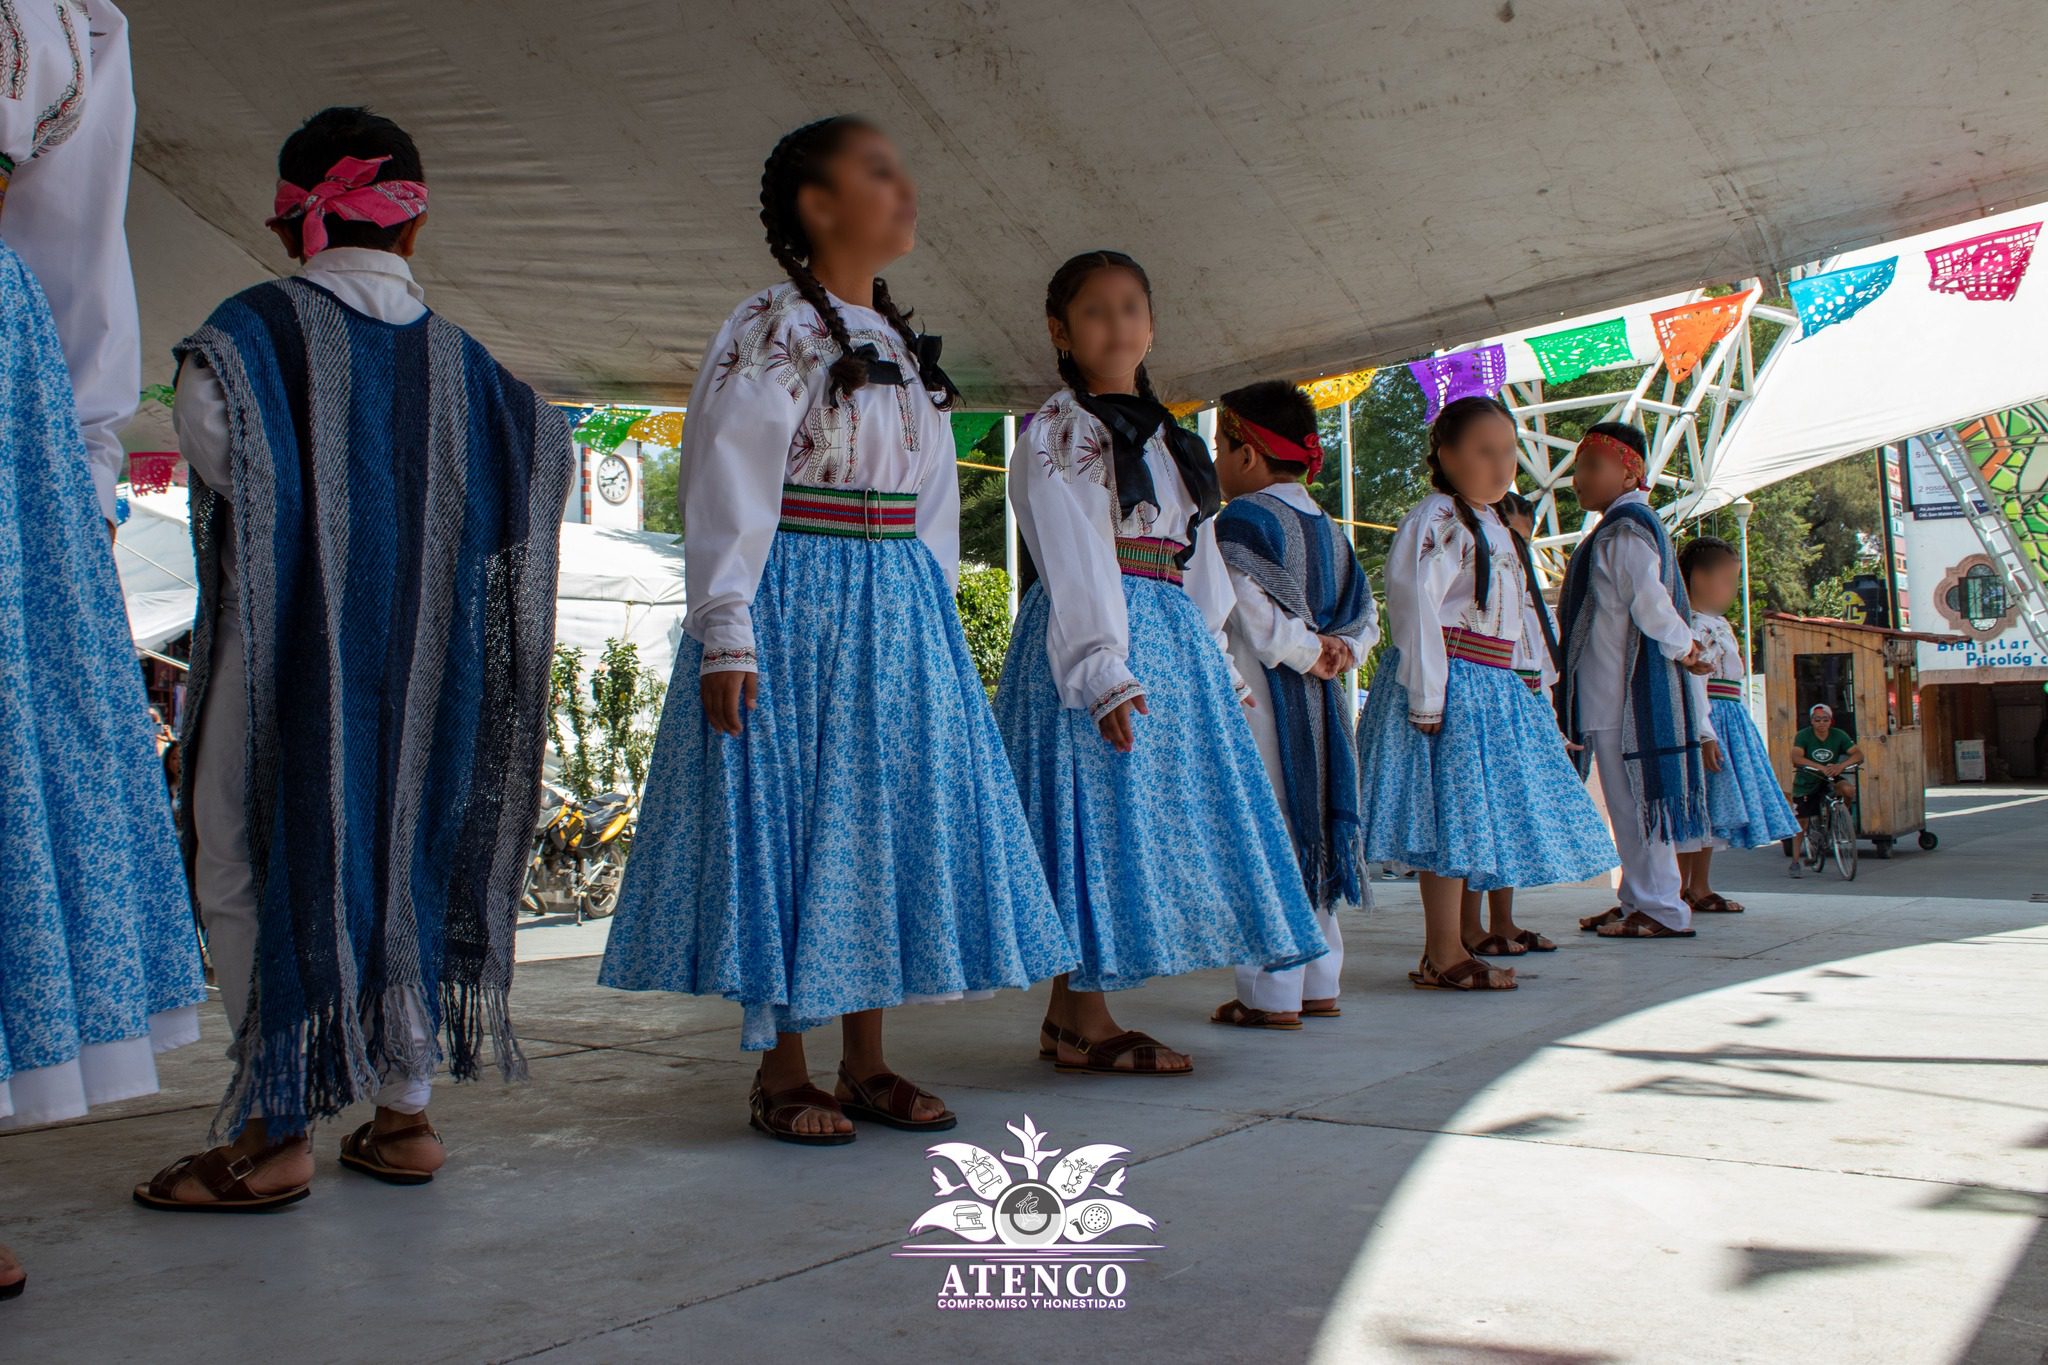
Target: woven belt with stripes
[1478, 649]
[1723, 689]
[1531, 677]
[861, 513]
[1149, 557]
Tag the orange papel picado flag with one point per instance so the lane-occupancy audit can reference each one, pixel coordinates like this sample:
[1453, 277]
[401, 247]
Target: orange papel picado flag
[1686, 333]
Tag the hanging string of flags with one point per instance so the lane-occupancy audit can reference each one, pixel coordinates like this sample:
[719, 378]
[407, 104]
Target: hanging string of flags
[1460, 374]
[1338, 389]
[1686, 333]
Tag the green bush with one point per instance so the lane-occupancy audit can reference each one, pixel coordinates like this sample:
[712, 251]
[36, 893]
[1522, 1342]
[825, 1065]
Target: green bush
[985, 617]
[613, 734]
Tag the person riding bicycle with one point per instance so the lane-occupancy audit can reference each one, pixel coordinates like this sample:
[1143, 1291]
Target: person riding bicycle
[1820, 755]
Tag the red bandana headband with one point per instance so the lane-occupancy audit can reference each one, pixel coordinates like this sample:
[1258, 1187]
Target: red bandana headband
[1606, 447]
[1273, 445]
[348, 193]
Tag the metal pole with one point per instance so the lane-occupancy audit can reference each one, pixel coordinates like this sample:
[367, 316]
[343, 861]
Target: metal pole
[1009, 511]
[1742, 508]
[1347, 501]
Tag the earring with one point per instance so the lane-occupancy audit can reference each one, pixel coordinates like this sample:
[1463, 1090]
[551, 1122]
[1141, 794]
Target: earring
[1064, 355]
[1148, 348]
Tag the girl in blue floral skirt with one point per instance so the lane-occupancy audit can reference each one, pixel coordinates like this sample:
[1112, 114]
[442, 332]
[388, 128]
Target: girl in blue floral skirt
[829, 827]
[1152, 810]
[1463, 774]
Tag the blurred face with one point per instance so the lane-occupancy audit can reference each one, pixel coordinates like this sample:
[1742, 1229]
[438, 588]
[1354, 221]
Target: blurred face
[1823, 721]
[1108, 328]
[1481, 463]
[1714, 589]
[1239, 470]
[867, 208]
[1598, 482]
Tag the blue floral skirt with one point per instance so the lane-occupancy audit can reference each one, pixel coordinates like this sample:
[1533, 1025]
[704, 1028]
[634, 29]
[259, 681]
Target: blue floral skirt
[1491, 797]
[1744, 805]
[860, 845]
[1171, 858]
[99, 959]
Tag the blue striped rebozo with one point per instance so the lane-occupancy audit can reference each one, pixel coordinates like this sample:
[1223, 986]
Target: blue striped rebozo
[395, 511]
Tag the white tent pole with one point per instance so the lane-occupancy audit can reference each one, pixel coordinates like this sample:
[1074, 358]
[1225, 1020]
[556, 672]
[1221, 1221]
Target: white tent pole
[1742, 508]
[1348, 503]
[1009, 511]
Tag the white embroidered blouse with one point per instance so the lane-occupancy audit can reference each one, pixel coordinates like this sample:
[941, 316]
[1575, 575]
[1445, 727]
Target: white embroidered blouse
[67, 123]
[1060, 486]
[1720, 651]
[1429, 590]
[761, 416]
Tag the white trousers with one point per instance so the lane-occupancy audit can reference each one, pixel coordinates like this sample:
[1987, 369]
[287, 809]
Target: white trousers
[222, 880]
[1282, 992]
[1649, 867]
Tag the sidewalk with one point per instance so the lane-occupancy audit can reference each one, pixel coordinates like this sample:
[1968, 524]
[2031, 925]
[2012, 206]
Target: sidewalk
[1816, 1134]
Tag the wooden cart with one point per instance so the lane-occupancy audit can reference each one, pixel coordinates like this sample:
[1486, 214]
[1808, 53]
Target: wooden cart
[1870, 677]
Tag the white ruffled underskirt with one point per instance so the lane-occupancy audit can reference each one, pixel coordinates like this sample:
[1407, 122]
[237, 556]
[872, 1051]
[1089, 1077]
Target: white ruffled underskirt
[101, 1073]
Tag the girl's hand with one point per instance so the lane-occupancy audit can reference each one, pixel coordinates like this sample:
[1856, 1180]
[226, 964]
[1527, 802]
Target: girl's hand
[1710, 754]
[1116, 724]
[725, 696]
[1693, 663]
[1428, 727]
[1335, 658]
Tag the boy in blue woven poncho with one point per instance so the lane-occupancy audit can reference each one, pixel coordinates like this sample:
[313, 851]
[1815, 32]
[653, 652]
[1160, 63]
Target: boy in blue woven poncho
[1623, 695]
[375, 504]
[1304, 617]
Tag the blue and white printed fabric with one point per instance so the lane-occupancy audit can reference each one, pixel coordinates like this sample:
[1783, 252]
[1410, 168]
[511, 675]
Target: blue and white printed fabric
[1491, 797]
[1171, 858]
[860, 845]
[99, 961]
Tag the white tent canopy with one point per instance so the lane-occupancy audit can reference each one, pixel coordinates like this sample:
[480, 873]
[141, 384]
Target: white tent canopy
[1910, 361]
[1313, 184]
[153, 553]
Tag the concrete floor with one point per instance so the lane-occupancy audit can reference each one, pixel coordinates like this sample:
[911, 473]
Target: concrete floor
[1816, 1134]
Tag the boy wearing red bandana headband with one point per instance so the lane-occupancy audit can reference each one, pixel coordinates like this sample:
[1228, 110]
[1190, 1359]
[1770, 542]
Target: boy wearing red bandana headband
[347, 444]
[1304, 618]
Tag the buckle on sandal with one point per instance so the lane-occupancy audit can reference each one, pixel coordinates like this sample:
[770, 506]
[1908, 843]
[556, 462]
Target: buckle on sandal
[241, 1168]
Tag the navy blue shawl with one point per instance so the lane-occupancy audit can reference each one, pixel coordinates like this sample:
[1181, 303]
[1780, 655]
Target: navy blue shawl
[395, 511]
[1305, 565]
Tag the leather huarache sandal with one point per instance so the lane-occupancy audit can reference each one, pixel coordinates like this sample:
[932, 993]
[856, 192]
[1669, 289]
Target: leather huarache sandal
[1101, 1058]
[1590, 924]
[1535, 942]
[1640, 925]
[1714, 903]
[888, 1099]
[359, 1152]
[1240, 1015]
[1328, 1010]
[220, 1175]
[1048, 1041]
[1469, 975]
[1496, 945]
[776, 1114]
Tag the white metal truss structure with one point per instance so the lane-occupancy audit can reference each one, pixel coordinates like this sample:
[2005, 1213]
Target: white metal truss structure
[1687, 422]
[1994, 530]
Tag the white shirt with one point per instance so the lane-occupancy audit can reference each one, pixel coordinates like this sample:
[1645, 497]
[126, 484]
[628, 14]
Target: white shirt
[376, 283]
[1430, 584]
[760, 417]
[1627, 588]
[70, 131]
[1719, 651]
[1059, 486]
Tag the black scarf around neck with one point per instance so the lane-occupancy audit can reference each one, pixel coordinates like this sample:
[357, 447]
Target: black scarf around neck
[1130, 421]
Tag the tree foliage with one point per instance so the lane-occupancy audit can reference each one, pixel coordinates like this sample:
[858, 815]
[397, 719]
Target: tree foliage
[985, 617]
[658, 470]
[611, 734]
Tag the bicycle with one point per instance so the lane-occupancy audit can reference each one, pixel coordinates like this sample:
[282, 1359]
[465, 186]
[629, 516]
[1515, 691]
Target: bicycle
[1832, 831]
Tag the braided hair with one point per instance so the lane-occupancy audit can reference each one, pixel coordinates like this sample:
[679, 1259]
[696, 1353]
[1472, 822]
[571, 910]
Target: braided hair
[1457, 416]
[1059, 293]
[800, 159]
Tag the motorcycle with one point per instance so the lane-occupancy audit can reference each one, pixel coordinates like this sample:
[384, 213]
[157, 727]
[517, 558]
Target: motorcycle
[579, 854]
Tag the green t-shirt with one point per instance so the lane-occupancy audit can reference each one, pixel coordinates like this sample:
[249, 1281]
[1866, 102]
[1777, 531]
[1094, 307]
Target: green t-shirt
[1830, 750]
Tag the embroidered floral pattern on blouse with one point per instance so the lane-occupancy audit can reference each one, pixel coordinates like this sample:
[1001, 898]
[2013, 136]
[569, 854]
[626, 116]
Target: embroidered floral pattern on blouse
[1115, 697]
[729, 661]
[13, 53]
[781, 338]
[59, 120]
[1074, 443]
